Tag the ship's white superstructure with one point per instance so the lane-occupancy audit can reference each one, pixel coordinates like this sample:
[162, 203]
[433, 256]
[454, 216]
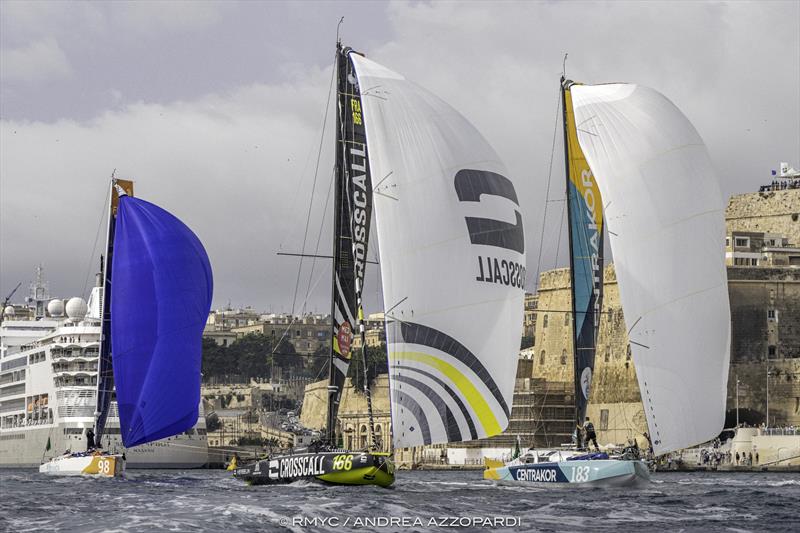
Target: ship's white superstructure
[48, 393]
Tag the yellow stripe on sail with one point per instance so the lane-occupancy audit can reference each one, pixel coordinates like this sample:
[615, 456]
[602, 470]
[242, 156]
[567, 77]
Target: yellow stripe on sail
[336, 345]
[475, 399]
[579, 172]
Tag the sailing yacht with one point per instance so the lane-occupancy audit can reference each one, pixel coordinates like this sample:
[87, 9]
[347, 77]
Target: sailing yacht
[452, 259]
[635, 162]
[151, 332]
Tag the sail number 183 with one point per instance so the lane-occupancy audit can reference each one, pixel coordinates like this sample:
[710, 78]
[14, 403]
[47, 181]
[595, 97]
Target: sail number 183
[580, 474]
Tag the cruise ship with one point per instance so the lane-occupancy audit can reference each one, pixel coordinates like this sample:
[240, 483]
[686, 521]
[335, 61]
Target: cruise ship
[49, 357]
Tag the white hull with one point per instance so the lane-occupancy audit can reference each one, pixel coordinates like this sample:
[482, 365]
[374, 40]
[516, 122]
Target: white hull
[25, 448]
[100, 465]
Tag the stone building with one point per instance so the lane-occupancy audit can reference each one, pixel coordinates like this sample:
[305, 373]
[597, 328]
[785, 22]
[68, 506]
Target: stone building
[614, 403]
[765, 309]
[352, 420]
[307, 334]
[766, 212]
[529, 321]
[748, 248]
[374, 331]
[225, 319]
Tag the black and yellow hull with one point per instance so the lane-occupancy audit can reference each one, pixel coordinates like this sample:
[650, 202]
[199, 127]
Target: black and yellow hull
[338, 467]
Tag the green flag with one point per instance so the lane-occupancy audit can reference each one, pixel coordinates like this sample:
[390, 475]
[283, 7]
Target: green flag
[47, 448]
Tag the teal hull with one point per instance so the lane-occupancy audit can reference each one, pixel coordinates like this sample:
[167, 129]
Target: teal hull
[596, 472]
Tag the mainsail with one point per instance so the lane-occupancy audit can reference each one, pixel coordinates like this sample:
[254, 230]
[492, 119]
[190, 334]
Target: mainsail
[452, 262]
[162, 295]
[352, 215]
[585, 213]
[664, 214]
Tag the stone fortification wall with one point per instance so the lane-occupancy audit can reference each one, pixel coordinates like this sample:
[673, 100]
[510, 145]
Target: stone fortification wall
[767, 212]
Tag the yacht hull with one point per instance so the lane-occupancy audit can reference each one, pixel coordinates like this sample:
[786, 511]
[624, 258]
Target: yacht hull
[593, 472]
[335, 467]
[26, 449]
[86, 464]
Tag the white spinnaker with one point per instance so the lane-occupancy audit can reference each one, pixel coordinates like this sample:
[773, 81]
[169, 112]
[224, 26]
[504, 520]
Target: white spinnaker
[452, 338]
[665, 218]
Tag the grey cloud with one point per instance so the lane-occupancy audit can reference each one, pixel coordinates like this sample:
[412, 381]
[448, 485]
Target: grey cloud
[39, 61]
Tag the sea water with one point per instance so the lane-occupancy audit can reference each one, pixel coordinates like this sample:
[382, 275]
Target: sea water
[211, 500]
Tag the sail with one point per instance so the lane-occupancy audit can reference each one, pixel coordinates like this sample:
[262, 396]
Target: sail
[105, 370]
[352, 215]
[665, 218]
[585, 214]
[162, 295]
[451, 247]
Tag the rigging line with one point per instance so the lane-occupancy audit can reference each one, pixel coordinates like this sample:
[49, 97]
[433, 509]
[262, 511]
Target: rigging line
[394, 306]
[560, 230]
[314, 186]
[319, 234]
[382, 180]
[547, 195]
[294, 319]
[96, 238]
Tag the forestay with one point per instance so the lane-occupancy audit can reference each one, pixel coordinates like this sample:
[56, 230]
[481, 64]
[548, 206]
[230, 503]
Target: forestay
[665, 219]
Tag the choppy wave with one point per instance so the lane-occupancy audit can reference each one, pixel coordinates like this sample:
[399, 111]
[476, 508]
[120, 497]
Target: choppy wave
[205, 501]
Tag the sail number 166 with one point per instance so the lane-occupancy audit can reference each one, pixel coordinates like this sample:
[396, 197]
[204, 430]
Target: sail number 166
[343, 462]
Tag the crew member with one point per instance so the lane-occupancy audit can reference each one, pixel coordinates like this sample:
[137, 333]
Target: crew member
[591, 436]
[89, 439]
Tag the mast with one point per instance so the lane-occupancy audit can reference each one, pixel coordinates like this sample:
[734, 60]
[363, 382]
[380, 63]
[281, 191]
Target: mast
[577, 415]
[330, 424]
[105, 372]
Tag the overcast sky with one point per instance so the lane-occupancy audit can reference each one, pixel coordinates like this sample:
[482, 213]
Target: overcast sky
[216, 111]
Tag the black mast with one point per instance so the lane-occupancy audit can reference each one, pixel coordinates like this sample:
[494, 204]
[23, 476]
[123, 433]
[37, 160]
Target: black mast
[333, 393]
[105, 370]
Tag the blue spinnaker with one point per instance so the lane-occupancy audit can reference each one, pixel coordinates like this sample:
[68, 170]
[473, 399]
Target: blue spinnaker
[162, 295]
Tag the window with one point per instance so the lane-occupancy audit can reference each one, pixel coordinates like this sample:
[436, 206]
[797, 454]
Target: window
[628, 354]
[771, 351]
[607, 357]
[566, 319]
[772, 314]
[297, 334]
[742, 242]
[544, 322]
[541, 358]
[603, 419]
[727, 241]
[563, 357]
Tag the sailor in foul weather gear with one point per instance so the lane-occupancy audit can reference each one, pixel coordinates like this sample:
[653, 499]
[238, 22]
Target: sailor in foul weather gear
[89, 440]
[591, 436]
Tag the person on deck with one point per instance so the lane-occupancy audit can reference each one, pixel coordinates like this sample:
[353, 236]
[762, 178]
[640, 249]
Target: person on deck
[591, 436]
[89, 440]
